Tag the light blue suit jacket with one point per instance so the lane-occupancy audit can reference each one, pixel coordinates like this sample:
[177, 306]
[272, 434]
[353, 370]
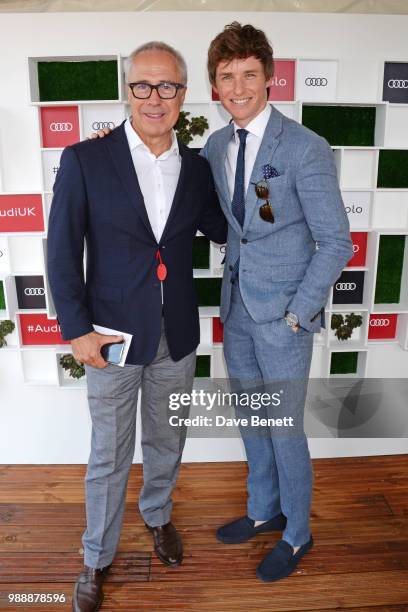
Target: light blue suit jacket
[292, 263]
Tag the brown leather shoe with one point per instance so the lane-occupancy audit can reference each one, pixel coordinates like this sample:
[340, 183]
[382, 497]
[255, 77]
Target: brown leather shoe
[167, 544]
[88, 593]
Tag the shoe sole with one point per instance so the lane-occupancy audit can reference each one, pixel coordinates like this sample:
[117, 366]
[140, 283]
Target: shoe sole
[286, 573]
[226, 540]
[235, 540]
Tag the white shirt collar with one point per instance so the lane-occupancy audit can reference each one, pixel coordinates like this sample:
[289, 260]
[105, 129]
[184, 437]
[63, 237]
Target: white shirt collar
[135, 141]
[258, 125]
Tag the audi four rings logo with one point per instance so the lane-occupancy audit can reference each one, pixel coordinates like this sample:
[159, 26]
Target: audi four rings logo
[356, 248]
[398, 83]
[61, 127]
[34, 291]
[98, 125]
[316, 82]
[379, 322]
[346, 286]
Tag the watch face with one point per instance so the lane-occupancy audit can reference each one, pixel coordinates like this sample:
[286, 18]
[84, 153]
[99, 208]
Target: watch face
[292, 319]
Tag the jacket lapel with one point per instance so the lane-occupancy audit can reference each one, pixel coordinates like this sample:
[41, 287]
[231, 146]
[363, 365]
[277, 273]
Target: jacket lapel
[118, 147]
[269, 144]
[220, 176]
[180, 192]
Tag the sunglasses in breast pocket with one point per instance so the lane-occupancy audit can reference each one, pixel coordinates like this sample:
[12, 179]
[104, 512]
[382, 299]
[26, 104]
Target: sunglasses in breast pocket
[262, 193]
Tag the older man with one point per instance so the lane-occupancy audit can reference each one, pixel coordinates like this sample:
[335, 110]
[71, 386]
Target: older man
[137, 198]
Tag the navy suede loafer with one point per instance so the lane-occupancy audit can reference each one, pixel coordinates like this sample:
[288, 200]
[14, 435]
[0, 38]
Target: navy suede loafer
[281, 561]
[243, 529]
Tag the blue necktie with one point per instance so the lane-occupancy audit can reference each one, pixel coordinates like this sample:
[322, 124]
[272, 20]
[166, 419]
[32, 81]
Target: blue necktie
[238, 199]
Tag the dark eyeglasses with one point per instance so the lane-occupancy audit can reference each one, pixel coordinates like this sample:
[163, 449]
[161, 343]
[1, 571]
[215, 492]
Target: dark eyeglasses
[165, 90]
[262, 192]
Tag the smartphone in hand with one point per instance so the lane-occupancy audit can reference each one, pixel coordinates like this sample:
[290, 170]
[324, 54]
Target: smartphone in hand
[112, 352]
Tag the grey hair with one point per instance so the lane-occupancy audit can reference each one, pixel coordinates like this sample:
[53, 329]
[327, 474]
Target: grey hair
[156, 45]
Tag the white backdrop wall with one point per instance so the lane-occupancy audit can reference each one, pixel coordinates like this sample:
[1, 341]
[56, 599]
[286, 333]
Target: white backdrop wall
[52, 425]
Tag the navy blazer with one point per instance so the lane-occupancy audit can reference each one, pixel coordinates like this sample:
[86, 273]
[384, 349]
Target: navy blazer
[98, 203]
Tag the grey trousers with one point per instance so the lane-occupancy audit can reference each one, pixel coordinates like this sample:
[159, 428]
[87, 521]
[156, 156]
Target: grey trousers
[112, 397]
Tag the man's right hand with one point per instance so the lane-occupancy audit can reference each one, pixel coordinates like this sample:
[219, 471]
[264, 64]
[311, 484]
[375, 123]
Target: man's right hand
[100, 133]
[87, 348]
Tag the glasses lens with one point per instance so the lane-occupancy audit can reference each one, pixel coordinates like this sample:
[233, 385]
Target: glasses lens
[141, 90]
[262, 190]
[167, 90]
[266, 214]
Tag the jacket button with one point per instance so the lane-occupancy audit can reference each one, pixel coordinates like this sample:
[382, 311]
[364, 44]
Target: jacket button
[230, 268]
[244, 240]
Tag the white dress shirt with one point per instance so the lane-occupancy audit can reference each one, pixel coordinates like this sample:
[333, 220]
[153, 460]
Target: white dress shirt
[157, 176]
[256, 129]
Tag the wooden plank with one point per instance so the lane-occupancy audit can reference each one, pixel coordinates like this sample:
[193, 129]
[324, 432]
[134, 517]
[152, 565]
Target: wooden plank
[209, 564]
[30, 567]
[358, 496]
[382, 467]
[215, 511]
[327, 532]
[65, 567]
[296, 593]
[396, 608]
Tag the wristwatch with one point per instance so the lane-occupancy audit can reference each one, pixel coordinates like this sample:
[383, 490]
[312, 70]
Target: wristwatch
[291, 319]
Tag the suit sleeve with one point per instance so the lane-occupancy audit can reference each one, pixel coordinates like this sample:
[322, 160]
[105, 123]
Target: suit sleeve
[212, 222]
[65, 247]
[323, 208]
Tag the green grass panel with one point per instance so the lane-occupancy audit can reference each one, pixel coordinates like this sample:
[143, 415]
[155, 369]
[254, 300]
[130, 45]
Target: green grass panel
[2, 297]
[91, 80]
[393, 169]
[201, 252]
[203, 365]
[342, 125]
[389, 271]
[344, 363]
[208, 291]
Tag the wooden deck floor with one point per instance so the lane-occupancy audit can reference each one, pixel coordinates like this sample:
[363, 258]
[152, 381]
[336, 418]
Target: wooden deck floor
[359, 523]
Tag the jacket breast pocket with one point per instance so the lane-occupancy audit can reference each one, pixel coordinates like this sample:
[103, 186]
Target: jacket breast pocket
[278, 184]
[278, 188]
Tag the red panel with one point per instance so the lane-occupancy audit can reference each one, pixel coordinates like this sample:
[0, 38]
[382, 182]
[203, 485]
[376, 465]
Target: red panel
[59, 126]
[283, 82]
[382, 326]
[38, 329]
[218, 330]
[21, 213]
[360, 249]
